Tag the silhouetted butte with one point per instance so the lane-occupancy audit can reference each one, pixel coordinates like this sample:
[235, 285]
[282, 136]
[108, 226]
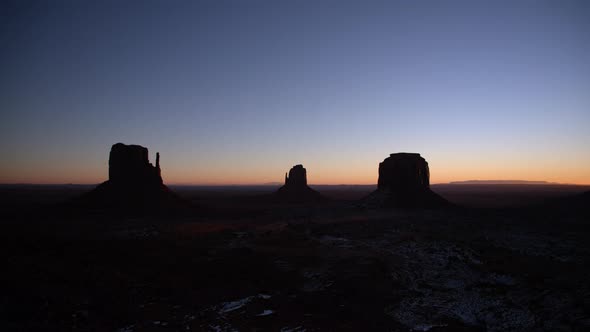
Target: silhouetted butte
[296, 188]
[404, 181]
[134, 183]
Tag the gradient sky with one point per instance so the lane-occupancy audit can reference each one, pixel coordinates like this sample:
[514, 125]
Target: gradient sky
[237, 92]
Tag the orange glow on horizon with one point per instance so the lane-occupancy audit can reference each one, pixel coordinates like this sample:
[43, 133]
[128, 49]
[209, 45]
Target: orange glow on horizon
[316, 173]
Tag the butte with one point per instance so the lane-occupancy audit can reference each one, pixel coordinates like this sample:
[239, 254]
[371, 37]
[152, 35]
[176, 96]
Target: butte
[404, 182]
[296, 189]
[134, 184]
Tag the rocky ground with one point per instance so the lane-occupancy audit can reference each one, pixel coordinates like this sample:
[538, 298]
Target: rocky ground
[357, 270]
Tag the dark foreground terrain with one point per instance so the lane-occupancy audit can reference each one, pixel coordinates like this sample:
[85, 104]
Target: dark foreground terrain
[240, 262]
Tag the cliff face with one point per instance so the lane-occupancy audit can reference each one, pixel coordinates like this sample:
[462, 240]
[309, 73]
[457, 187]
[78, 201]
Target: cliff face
[404, 181]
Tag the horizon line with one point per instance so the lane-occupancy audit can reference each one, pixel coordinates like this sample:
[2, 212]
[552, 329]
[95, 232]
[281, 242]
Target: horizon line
[458, 182]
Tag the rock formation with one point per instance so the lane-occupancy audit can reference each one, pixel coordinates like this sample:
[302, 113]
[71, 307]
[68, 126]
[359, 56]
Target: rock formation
[297, 177]
[296, 188]
[403, 172]
[129, 166]
[134, 184]
[404, 181]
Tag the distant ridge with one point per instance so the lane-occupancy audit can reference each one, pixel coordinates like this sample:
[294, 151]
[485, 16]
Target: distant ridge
[502, 182]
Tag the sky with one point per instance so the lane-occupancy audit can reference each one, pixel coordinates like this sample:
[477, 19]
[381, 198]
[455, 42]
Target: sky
[237, 92]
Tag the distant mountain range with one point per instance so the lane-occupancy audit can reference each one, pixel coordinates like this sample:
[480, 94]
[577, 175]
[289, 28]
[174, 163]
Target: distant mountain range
[501, 182]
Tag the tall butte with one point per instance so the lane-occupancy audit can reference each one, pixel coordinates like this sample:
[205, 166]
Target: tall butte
[134, 183]
[129, 167]
[296, 188]
[404, 181]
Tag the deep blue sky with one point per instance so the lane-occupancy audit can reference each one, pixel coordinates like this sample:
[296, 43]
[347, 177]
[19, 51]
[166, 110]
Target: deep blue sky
[239, 91]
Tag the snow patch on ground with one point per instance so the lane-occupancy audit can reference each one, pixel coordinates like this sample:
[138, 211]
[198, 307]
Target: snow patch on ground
[266, 313]
[230, 306]
[293, 329]
[427, 327]
[128, 328]
[226, 307]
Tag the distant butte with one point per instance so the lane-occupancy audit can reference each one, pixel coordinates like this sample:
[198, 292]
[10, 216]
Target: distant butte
[129, 166]
[404, 181]
[296, 188]
[134, 183]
